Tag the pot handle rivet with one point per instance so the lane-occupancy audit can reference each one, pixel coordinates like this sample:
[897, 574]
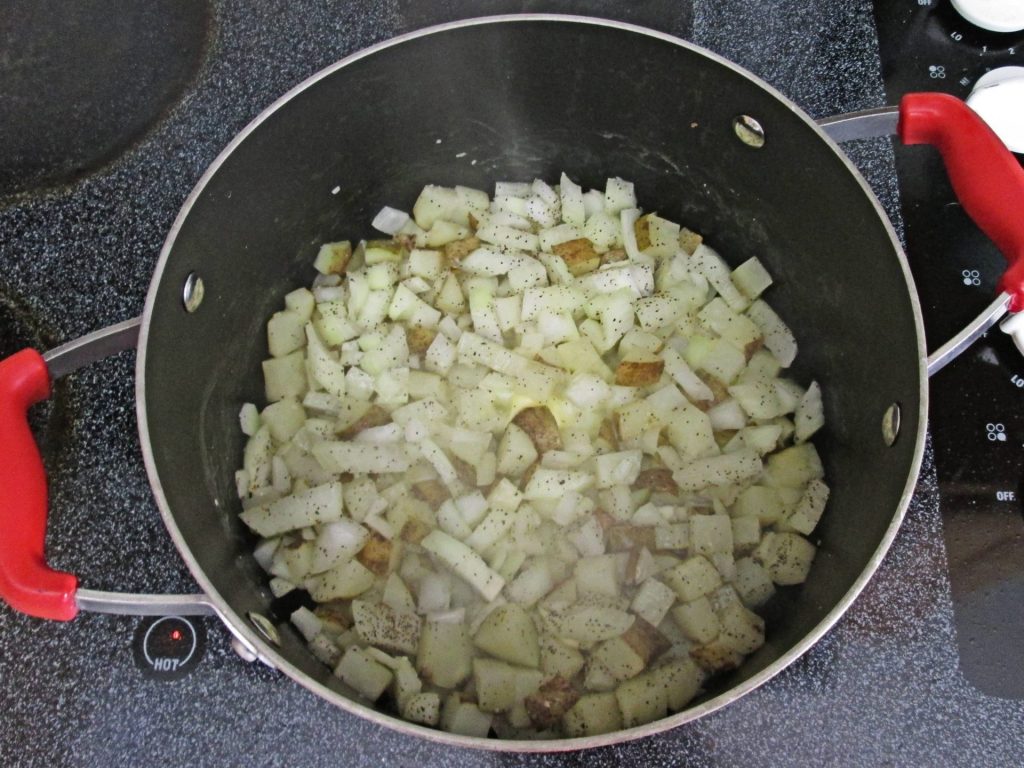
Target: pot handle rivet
[193, 293]
[265, 627]
[891, 424]
[749, 131]
[244, 651]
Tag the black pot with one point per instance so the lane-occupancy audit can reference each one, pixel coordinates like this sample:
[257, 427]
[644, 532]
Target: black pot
[517, 98]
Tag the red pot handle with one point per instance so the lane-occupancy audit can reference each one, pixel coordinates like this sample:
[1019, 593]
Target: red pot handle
[27, 583]
[987, 179]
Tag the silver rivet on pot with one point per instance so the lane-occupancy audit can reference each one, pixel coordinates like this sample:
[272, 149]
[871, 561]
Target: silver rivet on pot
[193, 292]
[749, 131]
[891, 424]
[244, 651]
[265, 627]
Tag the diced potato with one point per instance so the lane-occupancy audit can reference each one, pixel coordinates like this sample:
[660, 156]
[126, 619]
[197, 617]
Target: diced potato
[557, 658]
[590, 623]
[711, 534]
[639, 372]
[657, 479]
[379, 554]
[285, 333]
[719, 470]
[809, 509]
[645, 640]
[618, 659]
[597, 575]
[692, 578]
[753, 583]
[322, 504]
[498, 394]
[445, 653]
[579, 256]
[465, 718]
[746, 533]
[285, 376]
[751, 278]
[593, 714]
[741, 630]
[761, 502]
[361, 457]
[778, 338]
[652, 601]
[362, 672]
[516, 451]
[552, 700]
[465, 562]
[509, 634]
[794, 467]
[423, 708]
[641, 700]
[499, 686]
[787, 556]
[698, 620]
[345, 581]
[739, 330]
[539, 423]
[810, 413]
[333, 258]
[682, 680]
[386, 628]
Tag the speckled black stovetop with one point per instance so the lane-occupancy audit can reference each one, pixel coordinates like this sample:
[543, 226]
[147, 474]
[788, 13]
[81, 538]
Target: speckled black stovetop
[882, 688]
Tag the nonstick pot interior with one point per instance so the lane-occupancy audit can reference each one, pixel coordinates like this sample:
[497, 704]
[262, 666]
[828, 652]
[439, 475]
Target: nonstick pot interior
[514, 100]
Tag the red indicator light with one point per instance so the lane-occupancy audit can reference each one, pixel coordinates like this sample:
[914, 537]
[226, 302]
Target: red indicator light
[175, 634]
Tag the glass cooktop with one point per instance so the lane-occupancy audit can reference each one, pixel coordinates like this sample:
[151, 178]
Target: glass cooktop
[977, 423]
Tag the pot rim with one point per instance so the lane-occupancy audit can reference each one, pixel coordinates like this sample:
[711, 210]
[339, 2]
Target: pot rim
[240, 627]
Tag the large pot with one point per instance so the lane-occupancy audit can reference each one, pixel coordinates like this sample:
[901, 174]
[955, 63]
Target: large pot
[471, 103]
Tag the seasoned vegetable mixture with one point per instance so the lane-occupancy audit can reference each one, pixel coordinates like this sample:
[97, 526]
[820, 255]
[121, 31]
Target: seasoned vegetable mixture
[534, 458]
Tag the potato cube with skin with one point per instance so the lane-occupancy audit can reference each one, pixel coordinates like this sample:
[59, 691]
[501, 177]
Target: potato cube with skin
[697, 619]
[693, 578]
[579, 255]
[639, 372]
[539, 423]
[551, 701]
[646, 641]
[333, 258]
